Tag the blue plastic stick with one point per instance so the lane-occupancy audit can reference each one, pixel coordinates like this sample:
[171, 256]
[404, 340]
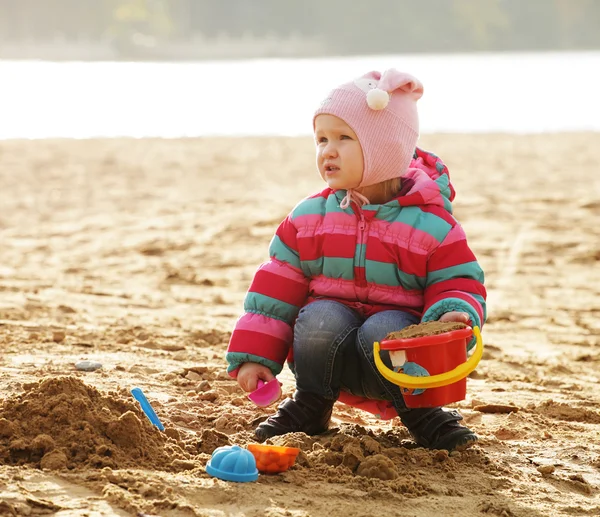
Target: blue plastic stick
[147, 408]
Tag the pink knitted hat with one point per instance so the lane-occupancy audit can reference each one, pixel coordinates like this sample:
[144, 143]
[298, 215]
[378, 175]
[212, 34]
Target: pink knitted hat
[382, 111]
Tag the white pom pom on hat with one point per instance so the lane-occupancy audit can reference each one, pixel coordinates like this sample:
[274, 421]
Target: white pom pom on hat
[378, 99]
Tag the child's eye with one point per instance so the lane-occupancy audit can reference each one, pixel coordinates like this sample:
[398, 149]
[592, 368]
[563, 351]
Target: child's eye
[345, 137]
[322, 140]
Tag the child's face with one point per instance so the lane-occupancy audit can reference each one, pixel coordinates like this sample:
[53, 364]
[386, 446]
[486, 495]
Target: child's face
[339, 154]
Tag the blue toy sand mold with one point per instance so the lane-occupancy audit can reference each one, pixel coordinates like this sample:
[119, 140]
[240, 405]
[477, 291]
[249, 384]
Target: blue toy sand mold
[232, 463]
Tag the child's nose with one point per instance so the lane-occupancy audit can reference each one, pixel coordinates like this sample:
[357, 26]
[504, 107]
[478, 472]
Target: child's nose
[330, 150]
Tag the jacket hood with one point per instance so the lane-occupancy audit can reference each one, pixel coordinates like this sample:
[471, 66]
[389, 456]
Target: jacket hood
[426, 182]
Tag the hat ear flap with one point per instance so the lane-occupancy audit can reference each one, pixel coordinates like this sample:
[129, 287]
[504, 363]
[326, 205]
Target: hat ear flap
[393, 80]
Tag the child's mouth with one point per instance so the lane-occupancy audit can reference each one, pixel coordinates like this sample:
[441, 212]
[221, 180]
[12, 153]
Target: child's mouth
[331, 169]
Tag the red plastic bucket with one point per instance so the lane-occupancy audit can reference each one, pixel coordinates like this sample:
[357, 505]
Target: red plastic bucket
[436, 354]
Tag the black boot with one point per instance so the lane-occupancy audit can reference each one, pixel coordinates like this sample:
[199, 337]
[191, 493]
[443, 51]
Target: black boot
[435, 428]
[306, 412]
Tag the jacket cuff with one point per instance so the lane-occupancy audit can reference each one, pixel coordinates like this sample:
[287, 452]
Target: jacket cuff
[236, 359]
[438, 309]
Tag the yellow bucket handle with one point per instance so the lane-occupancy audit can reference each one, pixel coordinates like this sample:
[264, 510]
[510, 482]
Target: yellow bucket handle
[433, 381]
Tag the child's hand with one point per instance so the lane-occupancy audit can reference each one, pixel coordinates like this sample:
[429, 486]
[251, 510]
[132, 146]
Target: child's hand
[250, 373]
[459, 317]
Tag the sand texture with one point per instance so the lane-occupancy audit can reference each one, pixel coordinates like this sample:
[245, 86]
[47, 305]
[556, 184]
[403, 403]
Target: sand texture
[137, 254]
[429, 328]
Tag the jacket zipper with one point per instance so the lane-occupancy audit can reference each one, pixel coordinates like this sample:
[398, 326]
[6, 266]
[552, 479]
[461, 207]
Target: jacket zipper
[360, 284]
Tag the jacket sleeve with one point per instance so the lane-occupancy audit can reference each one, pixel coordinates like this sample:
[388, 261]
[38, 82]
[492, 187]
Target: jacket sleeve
[263, 334]
[454, 281]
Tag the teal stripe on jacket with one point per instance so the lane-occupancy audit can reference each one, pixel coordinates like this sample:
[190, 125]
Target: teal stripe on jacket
[359, 253]
[271, 307]
[318, 205]
[309, 206]
[483, 304]
[332, 267]
[388, 274]
[466, 270]
[280, 251]
[417, 218]
[444, 183]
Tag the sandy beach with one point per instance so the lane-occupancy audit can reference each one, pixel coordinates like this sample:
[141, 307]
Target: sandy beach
[137, 254]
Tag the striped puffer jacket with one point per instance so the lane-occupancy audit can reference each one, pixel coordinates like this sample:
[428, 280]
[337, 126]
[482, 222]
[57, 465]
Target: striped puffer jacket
[409, 254]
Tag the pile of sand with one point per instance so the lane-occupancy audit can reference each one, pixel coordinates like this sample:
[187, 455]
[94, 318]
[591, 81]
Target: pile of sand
[62, 423]
[358, 457]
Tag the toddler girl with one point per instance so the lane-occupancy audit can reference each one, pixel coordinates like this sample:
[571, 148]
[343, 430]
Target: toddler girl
[375, 251]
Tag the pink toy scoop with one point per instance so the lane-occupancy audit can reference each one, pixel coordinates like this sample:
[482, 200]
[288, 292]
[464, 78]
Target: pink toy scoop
[266, 393]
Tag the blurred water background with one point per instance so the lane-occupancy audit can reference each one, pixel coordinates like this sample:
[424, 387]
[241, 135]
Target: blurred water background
[172, 68]
[464, 93]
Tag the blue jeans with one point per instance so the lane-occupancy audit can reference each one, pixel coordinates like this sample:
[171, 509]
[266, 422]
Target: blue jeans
[333, 351]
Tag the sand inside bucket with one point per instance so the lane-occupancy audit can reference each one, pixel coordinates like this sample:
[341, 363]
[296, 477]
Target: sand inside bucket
[429, 328]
